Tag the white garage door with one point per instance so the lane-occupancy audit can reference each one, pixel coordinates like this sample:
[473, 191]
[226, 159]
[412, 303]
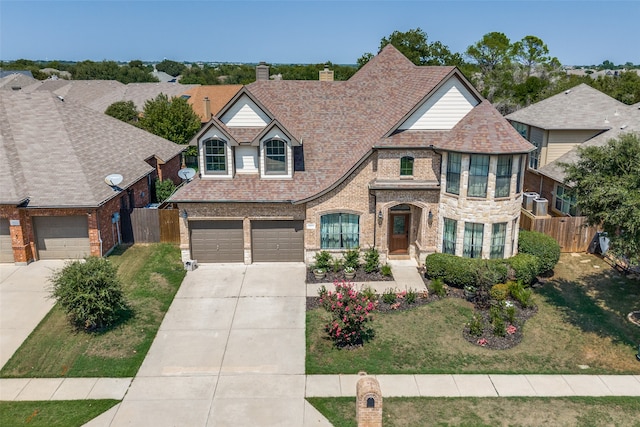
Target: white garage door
[61, 237]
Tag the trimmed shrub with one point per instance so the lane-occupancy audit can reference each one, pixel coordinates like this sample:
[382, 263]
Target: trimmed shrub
[389, 296]
[460, 272]
[524, 268]
[352, 258]
[437, 287]
[500, 291]
[371, 260]
[323, 260]
[546, 248]
[90, 293]
[385, 270]
[520, 294]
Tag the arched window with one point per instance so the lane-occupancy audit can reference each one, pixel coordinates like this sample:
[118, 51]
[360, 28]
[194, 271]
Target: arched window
[215, 156]
[406, 166]
[275, 157]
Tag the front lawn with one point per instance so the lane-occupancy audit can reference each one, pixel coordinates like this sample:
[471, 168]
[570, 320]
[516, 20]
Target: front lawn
[52, 413]
[581, 327]
[490, 411]
[151, 276]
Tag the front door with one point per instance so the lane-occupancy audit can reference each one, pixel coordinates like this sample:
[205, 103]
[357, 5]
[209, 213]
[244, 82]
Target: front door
[399, 233]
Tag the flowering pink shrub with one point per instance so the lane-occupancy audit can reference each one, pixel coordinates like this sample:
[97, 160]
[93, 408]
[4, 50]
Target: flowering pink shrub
[482, 342]
[351, 312]
[511, 329]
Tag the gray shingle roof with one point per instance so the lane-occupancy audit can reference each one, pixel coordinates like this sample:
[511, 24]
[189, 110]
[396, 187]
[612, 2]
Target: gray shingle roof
[13, 79]
[58, 153]
[581, 107]
[339, 123]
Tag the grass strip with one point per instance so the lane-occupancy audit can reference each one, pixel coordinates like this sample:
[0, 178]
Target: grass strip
[52, 413]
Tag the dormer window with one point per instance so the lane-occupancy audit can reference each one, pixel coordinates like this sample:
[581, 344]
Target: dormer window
[275, 160]
[406, 166]
[215, 156]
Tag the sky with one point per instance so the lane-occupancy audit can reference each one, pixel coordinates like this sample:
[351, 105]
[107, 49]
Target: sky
[306, 31]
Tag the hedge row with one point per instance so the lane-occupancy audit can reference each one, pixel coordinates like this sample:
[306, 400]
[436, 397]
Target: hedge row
[539, 253]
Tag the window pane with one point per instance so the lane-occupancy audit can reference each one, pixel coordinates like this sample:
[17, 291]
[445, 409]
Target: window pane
[275, 157]
[498, 235]
[454, 164]
[406, 166]
[215, 156]
[473, 235]
[339, 231]
[478, 175]
[503, 176]
[449, 236]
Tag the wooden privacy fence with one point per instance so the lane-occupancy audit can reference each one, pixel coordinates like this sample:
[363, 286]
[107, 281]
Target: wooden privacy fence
[155, 225]
[572, 232]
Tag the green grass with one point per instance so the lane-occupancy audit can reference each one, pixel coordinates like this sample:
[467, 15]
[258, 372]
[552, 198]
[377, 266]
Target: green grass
[63, 413]
[581, 320]
[490, 412]
[150, 275]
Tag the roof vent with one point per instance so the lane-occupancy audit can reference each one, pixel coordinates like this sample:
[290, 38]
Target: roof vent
[16, 87]
[61, 98]
[567, 92]
[623, 126]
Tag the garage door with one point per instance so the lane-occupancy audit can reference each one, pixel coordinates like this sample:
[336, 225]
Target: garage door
[217, 241]
[6, 253]
[277, 241]
[60, 237]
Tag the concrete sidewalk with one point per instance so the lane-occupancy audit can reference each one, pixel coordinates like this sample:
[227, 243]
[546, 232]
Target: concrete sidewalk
[17, 389]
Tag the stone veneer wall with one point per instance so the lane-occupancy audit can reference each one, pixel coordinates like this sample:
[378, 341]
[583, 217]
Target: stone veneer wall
[486, 211]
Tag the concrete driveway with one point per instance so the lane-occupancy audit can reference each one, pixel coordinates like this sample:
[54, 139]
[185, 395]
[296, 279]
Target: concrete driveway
[23, 302]
[230, 352]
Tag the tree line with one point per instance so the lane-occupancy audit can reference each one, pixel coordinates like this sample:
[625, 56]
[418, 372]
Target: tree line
[510, 74]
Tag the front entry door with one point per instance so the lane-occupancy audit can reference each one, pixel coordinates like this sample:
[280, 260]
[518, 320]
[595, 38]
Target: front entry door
[399, 233]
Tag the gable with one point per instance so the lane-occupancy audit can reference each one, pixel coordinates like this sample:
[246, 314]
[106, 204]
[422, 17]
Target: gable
[443, 109]
[245, 113]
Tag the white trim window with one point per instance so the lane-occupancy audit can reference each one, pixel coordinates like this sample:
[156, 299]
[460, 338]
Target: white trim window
[215, 157]
[564, 201]
[275, 157]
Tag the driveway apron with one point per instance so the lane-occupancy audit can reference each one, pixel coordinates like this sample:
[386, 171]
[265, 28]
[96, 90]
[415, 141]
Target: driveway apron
[230, 352]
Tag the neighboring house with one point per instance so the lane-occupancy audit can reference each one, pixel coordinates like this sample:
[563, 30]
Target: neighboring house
[54, 157]
[579, 117]
[207, 100]
[410, 160]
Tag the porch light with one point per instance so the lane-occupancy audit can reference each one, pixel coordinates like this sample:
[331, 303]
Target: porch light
[380, 215]
[430, 217]
[184, 214]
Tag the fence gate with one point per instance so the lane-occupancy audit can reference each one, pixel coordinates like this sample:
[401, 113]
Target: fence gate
[155, 225]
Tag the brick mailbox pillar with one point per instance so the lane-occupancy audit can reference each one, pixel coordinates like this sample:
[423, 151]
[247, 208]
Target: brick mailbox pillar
[368, 402]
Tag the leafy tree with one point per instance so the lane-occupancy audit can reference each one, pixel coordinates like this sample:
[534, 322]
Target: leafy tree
[110, 70]
[531, 51]
[493, 50]
[90, 293]
[123, 110]
[172, 119]
[172, 68]
[414, 45]
[164, 189]
[606, 183]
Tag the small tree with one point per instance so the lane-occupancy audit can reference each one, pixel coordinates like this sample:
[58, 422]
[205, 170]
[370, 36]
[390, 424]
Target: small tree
[164, 189]
[123, 110]
[89, 292]
[172, 119]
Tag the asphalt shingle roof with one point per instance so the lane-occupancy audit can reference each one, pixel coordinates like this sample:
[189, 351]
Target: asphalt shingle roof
[339, 123]
[57, 153]
[218, 96]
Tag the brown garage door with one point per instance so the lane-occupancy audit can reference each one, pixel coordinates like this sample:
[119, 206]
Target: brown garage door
[217, 241]
[60, 237]
[6, 253]
[277, 241]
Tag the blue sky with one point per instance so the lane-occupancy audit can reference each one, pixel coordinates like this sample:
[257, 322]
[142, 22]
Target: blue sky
[306, 31]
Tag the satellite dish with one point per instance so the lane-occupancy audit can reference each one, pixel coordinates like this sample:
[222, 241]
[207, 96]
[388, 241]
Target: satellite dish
[187, 173]
[113, 180]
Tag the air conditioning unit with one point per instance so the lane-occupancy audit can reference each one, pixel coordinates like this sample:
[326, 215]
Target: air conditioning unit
[527, 200]
[540, 207]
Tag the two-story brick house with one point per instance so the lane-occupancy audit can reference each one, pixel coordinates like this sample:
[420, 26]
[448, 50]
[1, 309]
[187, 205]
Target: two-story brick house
[408, 159]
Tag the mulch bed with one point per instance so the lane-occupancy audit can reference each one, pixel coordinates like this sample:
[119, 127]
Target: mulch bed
[361, 276]
[496, 342]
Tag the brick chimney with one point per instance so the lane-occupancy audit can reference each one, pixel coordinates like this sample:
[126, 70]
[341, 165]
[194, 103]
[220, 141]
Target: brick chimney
[262, 71]
[207, 108]
[326, 75]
